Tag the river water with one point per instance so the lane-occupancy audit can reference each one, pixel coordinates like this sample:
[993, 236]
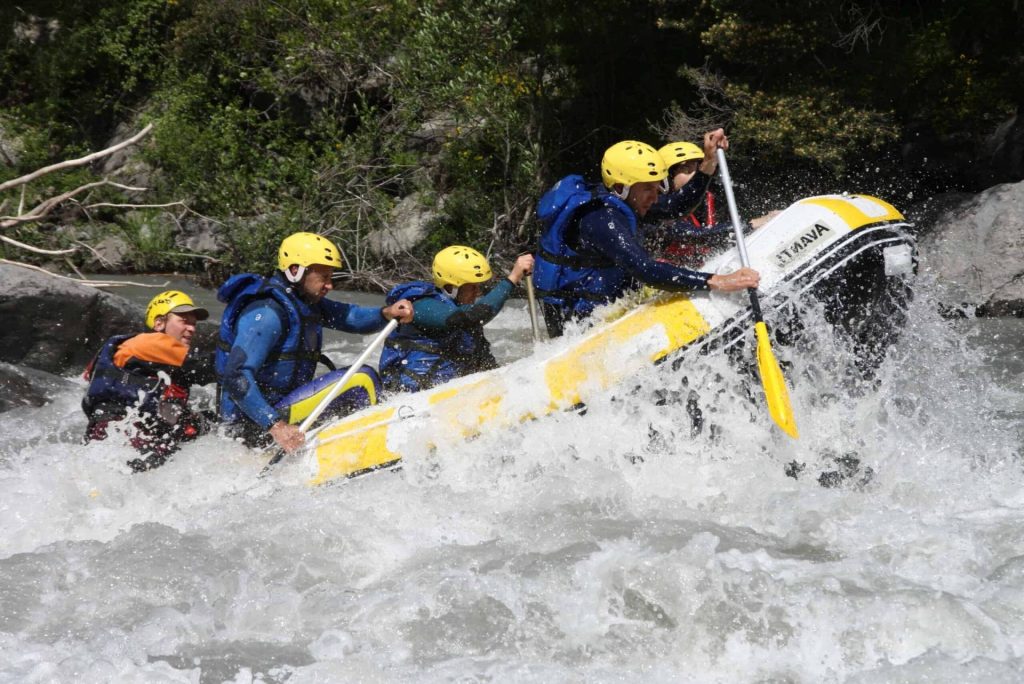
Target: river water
[607, 546]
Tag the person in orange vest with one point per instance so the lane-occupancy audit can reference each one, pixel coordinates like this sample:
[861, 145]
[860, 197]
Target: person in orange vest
[148, 377]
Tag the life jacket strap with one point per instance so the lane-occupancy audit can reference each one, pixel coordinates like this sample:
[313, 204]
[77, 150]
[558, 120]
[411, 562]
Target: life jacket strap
[577, 261]
[406, 344]
[315, 356]
[573, 294]
[124, 377]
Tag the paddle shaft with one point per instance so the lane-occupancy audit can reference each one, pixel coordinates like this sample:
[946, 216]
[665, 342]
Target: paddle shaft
[339, 386]
[775, 392]
[531, 299]
[734, 214]
[352, 370]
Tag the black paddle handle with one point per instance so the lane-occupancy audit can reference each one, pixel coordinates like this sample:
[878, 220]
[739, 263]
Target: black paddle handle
[755, 304]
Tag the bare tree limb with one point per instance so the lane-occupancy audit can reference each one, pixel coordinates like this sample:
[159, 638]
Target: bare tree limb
[99, 257]
[90, 283]
[75, 162]
[74, 268]
[192, 255]
[134, 206]
[37, 250]
[41, 210]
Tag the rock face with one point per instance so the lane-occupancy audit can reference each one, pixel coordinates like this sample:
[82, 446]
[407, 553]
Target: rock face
[28, 387]
[56, 325]
[977, 250]
[407, 226]
[1006, 148]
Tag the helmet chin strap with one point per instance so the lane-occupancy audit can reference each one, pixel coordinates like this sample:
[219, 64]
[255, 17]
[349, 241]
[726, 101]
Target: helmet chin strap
[294, 277]
[624, 193]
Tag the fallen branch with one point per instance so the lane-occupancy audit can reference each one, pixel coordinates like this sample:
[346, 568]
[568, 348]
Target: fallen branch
[90, 283]
[99, 257]
[75, 162]
[37, 250]
[179, 203]
[207, 257]
[43, 209]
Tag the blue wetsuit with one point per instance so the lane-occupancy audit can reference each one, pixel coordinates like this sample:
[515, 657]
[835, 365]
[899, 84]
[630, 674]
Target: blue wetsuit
[253, 380]
[604, 231]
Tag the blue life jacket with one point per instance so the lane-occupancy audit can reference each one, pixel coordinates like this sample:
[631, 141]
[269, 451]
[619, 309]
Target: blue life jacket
[563, 276]
[293, 363]
[112, 390]
[415, 359]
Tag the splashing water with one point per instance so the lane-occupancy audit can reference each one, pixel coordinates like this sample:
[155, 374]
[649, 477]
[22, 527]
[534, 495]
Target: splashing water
[621, 543]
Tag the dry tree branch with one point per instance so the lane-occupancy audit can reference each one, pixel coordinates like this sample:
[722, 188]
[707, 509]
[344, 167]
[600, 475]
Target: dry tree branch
[866, 24]
[70, 163]
[41, 210]
[74, 268]
[47, 206]
[99, 257]
[179, 203]
[90, 283]
[37, 250]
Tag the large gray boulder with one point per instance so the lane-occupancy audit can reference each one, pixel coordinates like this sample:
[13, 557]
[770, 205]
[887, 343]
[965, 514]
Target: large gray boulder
[406, 227]
[1005, 148]
[976, 250]
[29, 387]
[56, 325]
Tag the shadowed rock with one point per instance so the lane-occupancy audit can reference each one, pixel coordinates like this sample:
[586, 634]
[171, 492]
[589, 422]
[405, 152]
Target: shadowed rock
[57, 325]
[976, 250]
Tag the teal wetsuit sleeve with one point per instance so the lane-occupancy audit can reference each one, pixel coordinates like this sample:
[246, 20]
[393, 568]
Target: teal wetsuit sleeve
[259, 330]
[430, 314]
[351, 318]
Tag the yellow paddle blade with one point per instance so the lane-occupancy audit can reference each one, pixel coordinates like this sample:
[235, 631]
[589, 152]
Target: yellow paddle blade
[774, 384]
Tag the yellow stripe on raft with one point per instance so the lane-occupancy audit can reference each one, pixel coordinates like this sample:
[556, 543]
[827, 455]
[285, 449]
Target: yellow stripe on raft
[597, 362]
[854, 216]
[358, 443]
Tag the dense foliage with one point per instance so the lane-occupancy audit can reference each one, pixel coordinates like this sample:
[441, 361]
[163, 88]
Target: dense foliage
[277, 115]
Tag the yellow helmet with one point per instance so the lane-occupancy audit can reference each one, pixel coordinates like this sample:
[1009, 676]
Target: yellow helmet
[679, 152]
[630, 162]
[458, 265]
[306, 249]
[172, 301]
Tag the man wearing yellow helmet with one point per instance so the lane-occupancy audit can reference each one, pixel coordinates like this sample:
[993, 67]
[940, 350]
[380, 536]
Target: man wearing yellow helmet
[445, 339]
[590, 248]
[690, 165]
[152, 374]
[689, 240]
[271, 336]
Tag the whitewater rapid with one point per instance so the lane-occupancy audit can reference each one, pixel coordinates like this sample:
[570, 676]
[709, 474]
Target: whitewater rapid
[611, 545]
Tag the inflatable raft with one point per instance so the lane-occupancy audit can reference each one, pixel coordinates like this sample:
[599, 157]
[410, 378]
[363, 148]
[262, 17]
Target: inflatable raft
[851, 252]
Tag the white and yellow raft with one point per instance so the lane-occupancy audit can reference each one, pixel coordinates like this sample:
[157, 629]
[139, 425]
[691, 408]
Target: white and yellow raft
[853, 249]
